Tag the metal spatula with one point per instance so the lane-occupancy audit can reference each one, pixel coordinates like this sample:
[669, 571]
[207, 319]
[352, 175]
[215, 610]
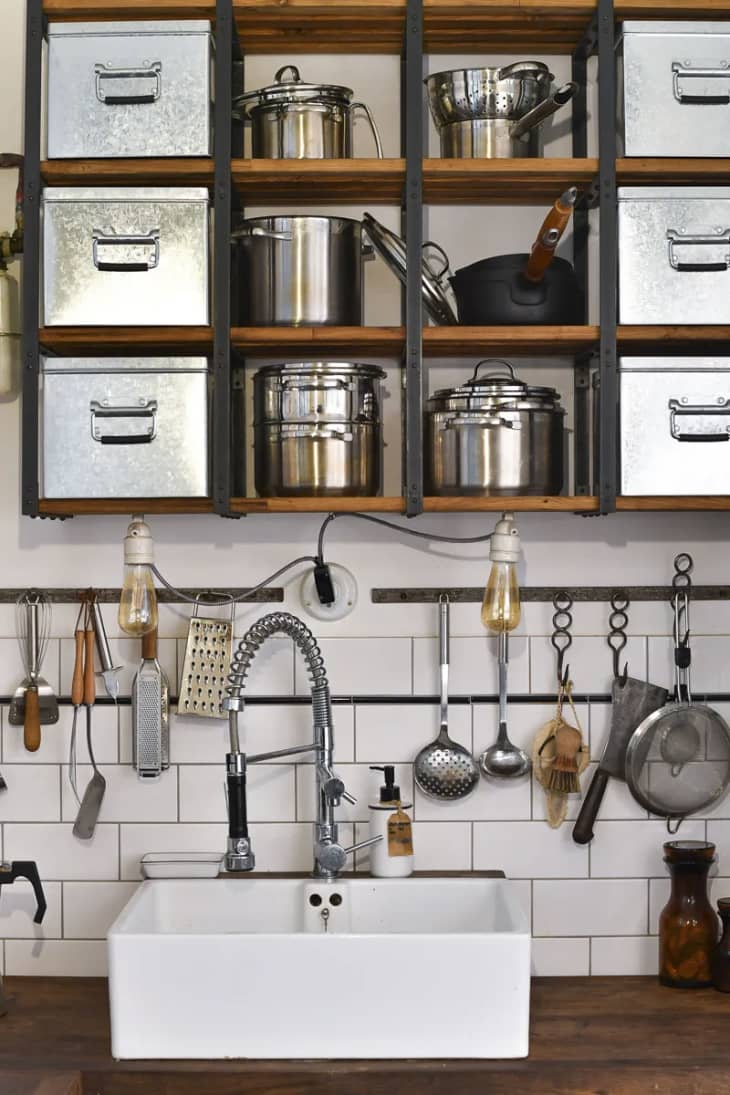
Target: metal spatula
[88, 814]
[444, 769]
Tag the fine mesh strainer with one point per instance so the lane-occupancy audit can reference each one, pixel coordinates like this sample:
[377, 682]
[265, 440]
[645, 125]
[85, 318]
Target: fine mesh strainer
[678, 758]
[444, 769]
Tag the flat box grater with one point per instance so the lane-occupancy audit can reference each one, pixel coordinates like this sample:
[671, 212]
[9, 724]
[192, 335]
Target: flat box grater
[206, 665]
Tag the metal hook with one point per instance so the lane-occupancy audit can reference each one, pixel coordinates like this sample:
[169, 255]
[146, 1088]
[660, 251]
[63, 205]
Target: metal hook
[561, 639]
[618, 622]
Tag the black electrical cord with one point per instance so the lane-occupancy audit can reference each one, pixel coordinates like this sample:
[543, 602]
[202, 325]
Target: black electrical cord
[433, 536]
[322, 577]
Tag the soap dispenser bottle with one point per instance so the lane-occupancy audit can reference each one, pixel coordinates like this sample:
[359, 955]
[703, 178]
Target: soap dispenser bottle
[391, 857]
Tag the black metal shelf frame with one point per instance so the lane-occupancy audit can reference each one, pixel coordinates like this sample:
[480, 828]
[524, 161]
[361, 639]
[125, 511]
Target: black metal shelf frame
[226, 399]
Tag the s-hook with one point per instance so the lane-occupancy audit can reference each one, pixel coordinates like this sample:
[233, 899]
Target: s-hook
[618, 621]
[683, 567]
[561, 638]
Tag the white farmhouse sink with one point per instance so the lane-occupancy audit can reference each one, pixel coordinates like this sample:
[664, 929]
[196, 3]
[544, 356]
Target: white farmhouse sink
[415, 967]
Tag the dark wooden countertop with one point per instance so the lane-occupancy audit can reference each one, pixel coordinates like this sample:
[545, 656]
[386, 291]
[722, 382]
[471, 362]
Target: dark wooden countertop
[589, 1036]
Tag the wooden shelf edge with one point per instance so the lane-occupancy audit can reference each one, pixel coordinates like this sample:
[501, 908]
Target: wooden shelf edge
[317, 505]
[369, 341]
[175, 171]
[672, 504]
[106, 340]
[539, 341]
[523, 504]
[79, 507]
[663, 336]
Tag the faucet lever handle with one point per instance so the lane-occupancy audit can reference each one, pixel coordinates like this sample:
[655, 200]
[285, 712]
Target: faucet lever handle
[364, 844]
[348, 797]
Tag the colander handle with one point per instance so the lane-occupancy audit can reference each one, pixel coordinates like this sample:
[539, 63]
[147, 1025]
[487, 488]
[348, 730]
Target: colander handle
[444, 657]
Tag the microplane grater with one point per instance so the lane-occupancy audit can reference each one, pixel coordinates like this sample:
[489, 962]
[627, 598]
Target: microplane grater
[148, 723]
[206, 666]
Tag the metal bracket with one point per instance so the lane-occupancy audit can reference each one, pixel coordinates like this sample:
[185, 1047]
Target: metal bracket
[588, 44]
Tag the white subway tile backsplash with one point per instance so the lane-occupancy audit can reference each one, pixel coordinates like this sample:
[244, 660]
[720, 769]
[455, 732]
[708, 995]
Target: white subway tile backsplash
[270, 792]
[529, 849]
[633, 849]
[473, 666]
[590, 663]
[710, 658]
[127, 798]
[442, 846]
[135, 840]
[363, 667]
[33, 793]
[55, 739]
[288, 847]
[569, 907]
[18, 907]
[60, 855]
[560, 957]
[492, 800]
[393, 733]
[636, 955]
[55, 958]
[90, 908]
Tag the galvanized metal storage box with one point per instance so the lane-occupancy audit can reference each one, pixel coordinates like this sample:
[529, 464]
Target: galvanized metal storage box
[128, 256]
[124, 427]
[674, 254]
[130, 89]
[675, 425]
[675, 90]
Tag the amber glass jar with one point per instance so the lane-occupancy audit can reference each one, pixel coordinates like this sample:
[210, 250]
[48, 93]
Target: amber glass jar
[688, 925]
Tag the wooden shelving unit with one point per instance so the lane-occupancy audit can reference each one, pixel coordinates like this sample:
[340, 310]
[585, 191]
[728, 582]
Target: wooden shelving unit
[290, 27]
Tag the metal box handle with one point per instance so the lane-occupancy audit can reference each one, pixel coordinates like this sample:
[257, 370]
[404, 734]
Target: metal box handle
[133, 98]
[682, 239]
[152, 238]
[101, 410]
[684, 70]
[682, 408]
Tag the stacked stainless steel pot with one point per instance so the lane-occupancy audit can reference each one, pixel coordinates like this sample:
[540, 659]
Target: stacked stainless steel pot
[494, 112]
[318, 429]
[294, 120]
[495, 435]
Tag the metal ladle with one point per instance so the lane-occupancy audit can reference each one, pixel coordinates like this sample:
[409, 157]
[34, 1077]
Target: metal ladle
[503, 760]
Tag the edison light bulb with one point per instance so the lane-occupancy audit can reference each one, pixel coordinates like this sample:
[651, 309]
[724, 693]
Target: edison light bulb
[138, 602]
[501, 604]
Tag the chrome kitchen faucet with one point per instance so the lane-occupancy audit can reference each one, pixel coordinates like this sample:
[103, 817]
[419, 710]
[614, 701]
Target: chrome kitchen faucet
[329, 855]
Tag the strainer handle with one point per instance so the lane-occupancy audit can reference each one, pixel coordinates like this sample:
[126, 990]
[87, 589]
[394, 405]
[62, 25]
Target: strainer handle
[444, 657]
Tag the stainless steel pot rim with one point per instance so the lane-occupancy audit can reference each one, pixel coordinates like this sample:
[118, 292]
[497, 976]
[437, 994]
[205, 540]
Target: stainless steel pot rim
[322, 368]
[442, 404]
[392, 249]
[515, 70]
[341, 430]
[295, 90]
[284, 220]
[507, 391]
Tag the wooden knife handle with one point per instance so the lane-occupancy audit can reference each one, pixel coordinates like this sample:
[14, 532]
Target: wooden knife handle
[583, 828]
[149, 644]
[89, 683]
[77, 681]
[542, 254]
[32, 720]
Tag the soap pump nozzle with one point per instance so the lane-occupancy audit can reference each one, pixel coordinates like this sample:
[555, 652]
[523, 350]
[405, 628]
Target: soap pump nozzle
[390, 791]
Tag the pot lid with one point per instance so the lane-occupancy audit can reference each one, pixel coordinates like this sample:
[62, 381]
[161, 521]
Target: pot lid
[493, 384]
[392, 248]
[322, 368]
[292, 90]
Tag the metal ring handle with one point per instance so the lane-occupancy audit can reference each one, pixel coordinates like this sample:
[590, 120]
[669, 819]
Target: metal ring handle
[352, 107]
[430, 245]
[494, 361]
[295, 79]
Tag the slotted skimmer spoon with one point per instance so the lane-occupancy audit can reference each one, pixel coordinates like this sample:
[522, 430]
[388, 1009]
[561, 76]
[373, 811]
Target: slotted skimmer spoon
[444, 769]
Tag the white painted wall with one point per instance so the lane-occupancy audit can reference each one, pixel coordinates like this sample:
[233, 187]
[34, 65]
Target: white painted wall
[592, 910]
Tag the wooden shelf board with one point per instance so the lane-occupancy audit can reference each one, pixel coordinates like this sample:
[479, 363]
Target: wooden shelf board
[317, 505]
[664, 337]
[672, 9]
[265, 341]
[327, 26]
[79, 507]
[106, 340]
[196, 171]
[320, 181]
[468, 341]
[657, 171]
[673, 504]
[513, 182]
[562, 504]
[497, 26]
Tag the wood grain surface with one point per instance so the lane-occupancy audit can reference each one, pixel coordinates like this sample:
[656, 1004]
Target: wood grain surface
[589, 1036]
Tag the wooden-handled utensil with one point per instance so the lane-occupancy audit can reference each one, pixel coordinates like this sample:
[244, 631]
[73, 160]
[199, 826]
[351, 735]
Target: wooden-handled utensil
[88, 814]
[77, 694]
[550, 234]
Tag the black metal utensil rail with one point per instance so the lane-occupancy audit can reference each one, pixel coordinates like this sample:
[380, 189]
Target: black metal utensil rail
[475, 594]
[110, 595]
